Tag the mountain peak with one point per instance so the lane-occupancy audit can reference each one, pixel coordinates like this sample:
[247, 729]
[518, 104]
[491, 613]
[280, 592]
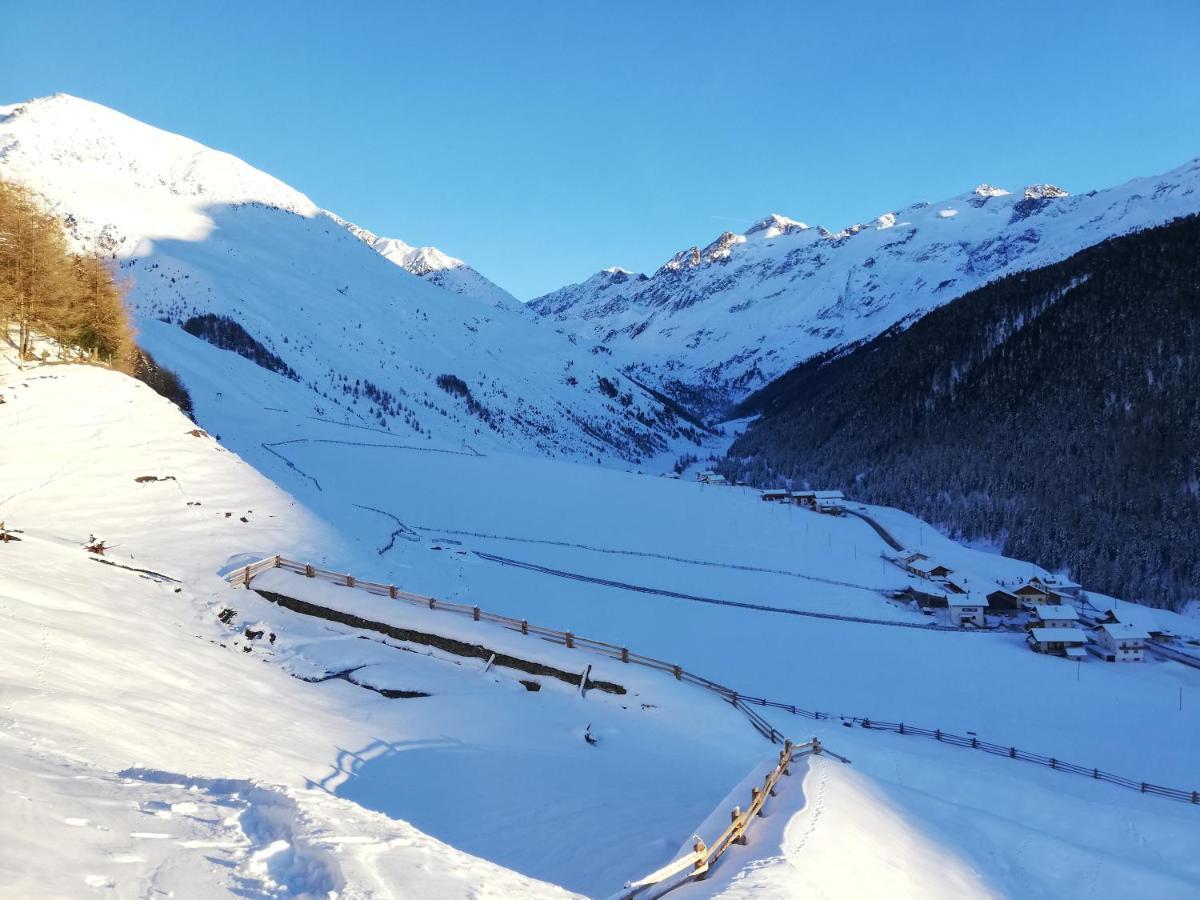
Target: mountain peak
[775, 225]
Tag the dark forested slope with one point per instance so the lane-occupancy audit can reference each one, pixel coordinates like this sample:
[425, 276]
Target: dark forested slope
[1057, 411]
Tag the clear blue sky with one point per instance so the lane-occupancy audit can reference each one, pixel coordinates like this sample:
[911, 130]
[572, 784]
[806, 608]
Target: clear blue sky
[543, 141]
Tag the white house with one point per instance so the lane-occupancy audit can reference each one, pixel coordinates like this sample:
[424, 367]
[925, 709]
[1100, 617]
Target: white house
[1068, 642]
[1119, 643]
[966, 608]
[1062, 616]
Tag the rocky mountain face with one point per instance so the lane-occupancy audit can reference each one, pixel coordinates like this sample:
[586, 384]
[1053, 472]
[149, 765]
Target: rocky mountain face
[223, 258]
[713, 324]
[1054, 413]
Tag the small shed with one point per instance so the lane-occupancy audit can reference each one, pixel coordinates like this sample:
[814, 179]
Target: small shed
[1068, 642]
[1116, 642]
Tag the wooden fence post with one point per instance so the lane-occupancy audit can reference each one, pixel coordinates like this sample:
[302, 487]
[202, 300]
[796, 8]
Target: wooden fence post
[570, 640]
[755, 800]
[767, 786]
[734, 815]
[475, 613]
[678, 672]
[246, 578]
[278, 560]
[524, 626]
[392, 591]
[701, 863]
[624, 654]
[349, 581]
[432, 603]
[816, 746]
[309, 571]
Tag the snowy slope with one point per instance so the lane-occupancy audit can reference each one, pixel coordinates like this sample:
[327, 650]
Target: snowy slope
[199, 232]
[445, 271]
[730, 317]
[148, 745]
[112, 719]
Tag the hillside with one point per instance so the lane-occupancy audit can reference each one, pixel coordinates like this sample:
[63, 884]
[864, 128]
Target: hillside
[154, 742]
[216, 251]
[1054, 414]
[716, 323]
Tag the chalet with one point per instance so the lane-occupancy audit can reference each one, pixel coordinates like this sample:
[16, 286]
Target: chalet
[812, 499]
[1068, 642]
[954, 585]
[776, 495]
[1034, 593]
[830, 506]
[707, 477]
[1116, 642]
[1060, 585]
[1052, 616]
[1001, 600]
[1141, 617]
[966, 609]
[910, 558]
[928, 568]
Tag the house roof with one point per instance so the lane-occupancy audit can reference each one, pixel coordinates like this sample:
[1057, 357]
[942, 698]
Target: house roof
[1123, 632]
[928, 565]
[966, 600]
[1057, 581]
[1143, 617]
[1066, 635]
[1075, 652]
[829, 495]
[1044, 611]
[781, 492]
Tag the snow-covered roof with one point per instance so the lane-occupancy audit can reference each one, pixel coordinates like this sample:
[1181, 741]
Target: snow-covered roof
[957, 600]
[1142, 617]
[928, 565]
[1123, 632]
[1046, 611]
[1075, 652]
[1066, 635]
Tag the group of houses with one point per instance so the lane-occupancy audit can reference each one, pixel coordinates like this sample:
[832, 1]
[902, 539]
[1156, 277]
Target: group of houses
[1052, 623]
[832, 503]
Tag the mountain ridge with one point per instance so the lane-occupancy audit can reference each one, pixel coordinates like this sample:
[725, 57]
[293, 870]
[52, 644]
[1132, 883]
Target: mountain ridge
[716, 322]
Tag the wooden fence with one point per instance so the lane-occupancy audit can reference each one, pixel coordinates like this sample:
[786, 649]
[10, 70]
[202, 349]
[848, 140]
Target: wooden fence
[744, 703]
[704, 855]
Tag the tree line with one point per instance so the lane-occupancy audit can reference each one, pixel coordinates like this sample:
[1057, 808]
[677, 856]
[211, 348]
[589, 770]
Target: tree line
[48, 292]
[1054, 413]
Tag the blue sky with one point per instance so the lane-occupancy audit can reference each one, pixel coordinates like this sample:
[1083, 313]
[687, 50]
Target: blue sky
[543, 141]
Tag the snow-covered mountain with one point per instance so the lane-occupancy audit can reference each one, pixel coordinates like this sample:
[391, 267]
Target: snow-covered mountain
[240, 259]
[714, 323]
[445, 271]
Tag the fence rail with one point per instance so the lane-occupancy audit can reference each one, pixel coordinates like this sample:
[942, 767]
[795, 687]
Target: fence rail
[704, 855]
[245, 575]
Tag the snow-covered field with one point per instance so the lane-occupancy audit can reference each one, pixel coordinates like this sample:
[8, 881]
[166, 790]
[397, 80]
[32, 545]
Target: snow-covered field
[150, 746]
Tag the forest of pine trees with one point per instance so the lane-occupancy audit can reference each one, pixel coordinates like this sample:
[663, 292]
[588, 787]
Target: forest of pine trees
[50, 293]
[1054, 412]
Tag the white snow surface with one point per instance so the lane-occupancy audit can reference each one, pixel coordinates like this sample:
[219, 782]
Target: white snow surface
[148, 749]
[731, 317]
